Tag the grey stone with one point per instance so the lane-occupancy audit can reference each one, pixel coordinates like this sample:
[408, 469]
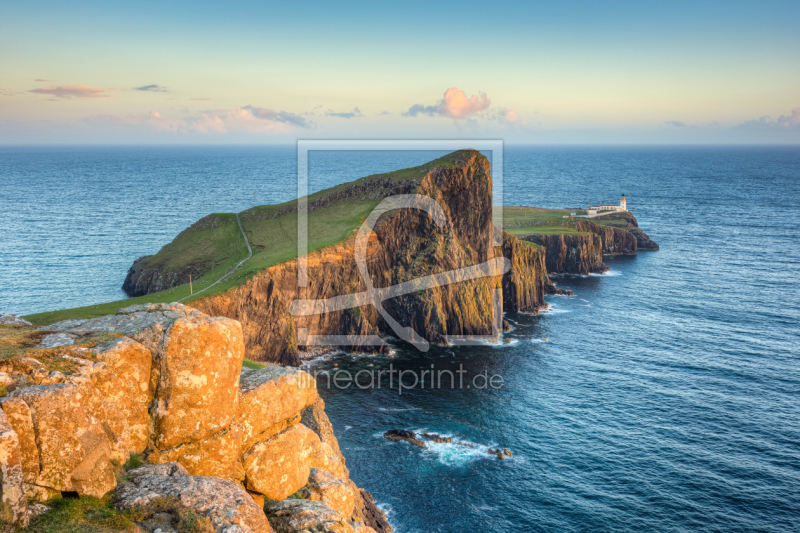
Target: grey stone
[11, 319]
[55, 340]
[291, 516]
[227, 505]
[130, 319]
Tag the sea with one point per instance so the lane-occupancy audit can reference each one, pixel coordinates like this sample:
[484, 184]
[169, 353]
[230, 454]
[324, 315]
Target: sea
[664, 396]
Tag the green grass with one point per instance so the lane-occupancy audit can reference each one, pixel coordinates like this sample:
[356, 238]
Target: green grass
[247, 363]
[215, 242]
[521, 221]
[79, 515]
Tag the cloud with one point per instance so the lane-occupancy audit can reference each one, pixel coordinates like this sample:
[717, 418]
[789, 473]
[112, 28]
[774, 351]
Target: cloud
[356, 112]
[199, 99]
[40, 79]
[784, 122]
[455, 104]
[676, 123]
[68, 91]
[152, 88]
[237, 120]
[277, 116]
[510, 116]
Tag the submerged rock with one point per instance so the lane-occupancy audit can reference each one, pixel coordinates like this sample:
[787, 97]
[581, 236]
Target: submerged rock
[437, 438]
[402, 435]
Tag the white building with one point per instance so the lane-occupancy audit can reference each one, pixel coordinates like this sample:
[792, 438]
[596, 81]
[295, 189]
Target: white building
[623, 206]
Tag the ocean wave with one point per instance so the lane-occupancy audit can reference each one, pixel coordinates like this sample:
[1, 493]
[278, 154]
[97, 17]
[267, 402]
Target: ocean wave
[608, 273]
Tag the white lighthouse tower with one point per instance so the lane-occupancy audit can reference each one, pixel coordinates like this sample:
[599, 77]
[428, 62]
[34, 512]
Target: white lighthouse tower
[623, 204]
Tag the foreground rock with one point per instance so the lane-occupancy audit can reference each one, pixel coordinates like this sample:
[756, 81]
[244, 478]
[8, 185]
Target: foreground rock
[291, 516]
[199, 368]
[13, 500]
[279, 466]
[127, 384]
[220, 438]
[229, 508]
[132, 319]
[64, 447]
[10, 319]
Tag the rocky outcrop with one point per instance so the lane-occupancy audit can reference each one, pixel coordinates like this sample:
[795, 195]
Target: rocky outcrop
[291, 516]
[129, 320]
[10, 319]
[13, 499]
[580, 253]
[279, 466]
[404, 435]
[126, 384]
[228, 507]
[408, 244]
[63, 446]
[219, 437]
[625, 220]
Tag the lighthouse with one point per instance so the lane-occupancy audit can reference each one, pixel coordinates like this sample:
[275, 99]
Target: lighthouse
[623, 204]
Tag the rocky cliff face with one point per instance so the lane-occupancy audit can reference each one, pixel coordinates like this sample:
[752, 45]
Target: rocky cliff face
[571, 253]
[219, 437]
[643, 241]
[408, 245]
[583, 253]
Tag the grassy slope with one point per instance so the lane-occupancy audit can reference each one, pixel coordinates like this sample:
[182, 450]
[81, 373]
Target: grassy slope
[538, 221]
[274, 241]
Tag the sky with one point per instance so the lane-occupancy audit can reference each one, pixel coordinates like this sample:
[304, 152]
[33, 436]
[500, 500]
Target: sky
[526, 72]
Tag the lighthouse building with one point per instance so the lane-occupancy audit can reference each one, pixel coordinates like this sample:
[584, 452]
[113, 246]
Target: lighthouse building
[623, 206]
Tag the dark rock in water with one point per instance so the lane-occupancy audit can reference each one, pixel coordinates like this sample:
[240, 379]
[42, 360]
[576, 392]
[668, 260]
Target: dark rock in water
[507, 452]
[506, 325]
[498, 453]
[465, 444]
[552, 289]
[437, 438]
[372, 515]
[402, 435]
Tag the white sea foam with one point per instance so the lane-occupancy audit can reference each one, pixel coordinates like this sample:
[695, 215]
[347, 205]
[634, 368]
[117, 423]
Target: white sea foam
[608, 273]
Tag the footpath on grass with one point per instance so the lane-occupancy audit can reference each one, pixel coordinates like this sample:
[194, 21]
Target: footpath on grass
[233, 269]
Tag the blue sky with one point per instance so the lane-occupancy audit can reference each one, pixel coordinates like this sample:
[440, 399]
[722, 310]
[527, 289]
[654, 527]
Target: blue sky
[570, 72]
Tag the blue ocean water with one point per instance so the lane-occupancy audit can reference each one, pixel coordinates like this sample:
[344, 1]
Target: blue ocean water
[665, 398]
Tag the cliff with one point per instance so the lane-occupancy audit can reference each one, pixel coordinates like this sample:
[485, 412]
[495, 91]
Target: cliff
[407, 245]
[577, 245]
[573, 253]
[625, 220]
[201, 435]
[211, 245]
